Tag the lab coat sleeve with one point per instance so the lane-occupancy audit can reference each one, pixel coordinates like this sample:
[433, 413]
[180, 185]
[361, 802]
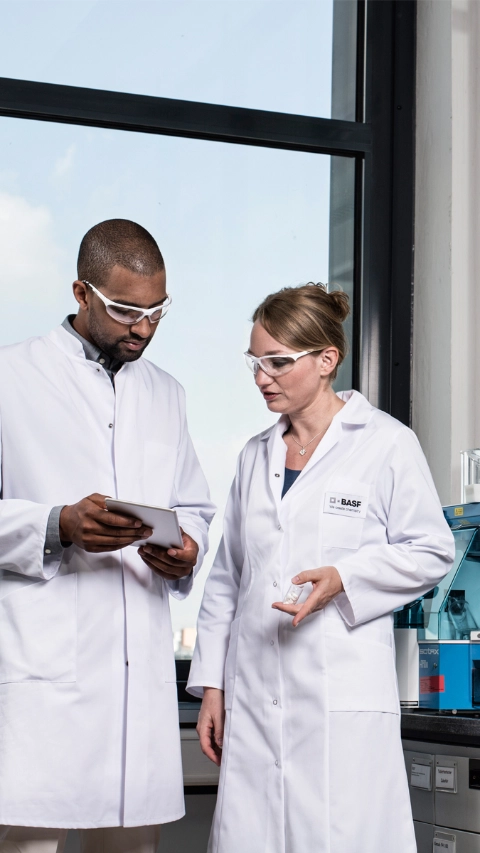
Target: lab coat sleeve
[219, 602]
[194, 508]
[420, 549]
[23, 526]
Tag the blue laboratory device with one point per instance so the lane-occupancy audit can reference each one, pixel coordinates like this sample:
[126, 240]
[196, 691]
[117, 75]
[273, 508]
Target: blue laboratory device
[447, 622]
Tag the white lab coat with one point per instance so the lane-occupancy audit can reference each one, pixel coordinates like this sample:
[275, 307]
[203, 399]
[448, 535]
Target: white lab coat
[85, 740]
[312, 757]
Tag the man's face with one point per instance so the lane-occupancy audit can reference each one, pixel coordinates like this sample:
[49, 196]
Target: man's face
[119, 341]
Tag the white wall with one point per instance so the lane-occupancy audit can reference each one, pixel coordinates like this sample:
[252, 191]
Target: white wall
[446, 376]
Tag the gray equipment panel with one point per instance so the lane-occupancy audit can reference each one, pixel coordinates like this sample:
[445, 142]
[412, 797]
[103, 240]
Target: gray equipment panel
[460, 809]
[423, 836]
[465, 842]
[423, 804]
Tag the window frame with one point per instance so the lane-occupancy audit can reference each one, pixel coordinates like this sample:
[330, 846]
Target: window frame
[383, 148]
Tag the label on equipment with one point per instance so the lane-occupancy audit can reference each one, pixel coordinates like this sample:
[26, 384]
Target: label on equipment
[350, 506]
[432, 684]
[445, 779]
[421, 776]
[444, 842]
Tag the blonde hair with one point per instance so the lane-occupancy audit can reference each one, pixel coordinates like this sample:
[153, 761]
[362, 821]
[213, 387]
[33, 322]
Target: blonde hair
[306, 318]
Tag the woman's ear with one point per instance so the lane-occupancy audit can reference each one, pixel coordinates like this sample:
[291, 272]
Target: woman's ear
[328, 361]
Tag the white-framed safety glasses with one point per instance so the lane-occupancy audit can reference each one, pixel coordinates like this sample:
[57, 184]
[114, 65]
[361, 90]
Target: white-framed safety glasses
[129, 314]
[275, 365]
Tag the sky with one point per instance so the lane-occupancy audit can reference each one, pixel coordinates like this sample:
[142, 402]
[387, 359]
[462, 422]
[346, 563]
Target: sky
[234, 222]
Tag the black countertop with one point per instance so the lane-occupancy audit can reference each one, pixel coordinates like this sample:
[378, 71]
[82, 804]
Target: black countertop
[441, 728]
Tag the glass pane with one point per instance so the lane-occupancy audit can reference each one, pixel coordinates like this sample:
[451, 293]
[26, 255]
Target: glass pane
[263, 54]
[234, 223]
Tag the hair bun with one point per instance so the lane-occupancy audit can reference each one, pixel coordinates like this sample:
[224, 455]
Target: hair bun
[340, 304]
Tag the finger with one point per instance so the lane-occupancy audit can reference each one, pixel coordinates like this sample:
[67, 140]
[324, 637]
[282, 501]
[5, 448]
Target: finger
[292, 609]
[205, 734]
[310, 576]
[164, 561]
[102, 543]
[168, 576]
[313, 602]
[113, 532]
[174, 555]
[218, 729]
[114, 519]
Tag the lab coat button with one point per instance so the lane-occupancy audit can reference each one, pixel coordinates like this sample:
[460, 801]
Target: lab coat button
[275, 702]
[274, 583]
[272, 643]
[47, 551]
[279, 526]
[111, 426]
[277, 475]
[277, 763]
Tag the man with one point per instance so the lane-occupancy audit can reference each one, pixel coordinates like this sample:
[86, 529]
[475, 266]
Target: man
[88, 710]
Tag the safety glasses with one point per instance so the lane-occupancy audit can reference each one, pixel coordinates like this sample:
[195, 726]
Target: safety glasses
[275, 365]
[129, 314]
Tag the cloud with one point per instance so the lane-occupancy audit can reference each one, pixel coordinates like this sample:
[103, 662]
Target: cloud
[64, 164]
[30, 261]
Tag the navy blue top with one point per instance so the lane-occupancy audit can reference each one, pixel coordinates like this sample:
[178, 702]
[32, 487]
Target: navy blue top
[290, 477]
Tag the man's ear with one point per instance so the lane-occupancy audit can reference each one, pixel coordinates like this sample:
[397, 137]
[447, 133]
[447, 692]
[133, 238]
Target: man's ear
[80, 291]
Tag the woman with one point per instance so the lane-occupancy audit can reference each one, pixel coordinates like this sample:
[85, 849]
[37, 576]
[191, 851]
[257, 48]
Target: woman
[336, 496]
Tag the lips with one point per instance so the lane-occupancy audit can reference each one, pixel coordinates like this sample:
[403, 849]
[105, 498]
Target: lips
[135, 345]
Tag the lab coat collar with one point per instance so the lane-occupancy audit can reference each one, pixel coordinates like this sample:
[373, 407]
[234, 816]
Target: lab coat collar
[69, 344]
[357, 412]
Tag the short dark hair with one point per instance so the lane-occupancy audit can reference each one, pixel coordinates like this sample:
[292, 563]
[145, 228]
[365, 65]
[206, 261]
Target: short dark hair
[117, 241]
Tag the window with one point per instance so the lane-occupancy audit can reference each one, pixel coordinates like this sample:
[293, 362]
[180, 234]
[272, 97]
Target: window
[229, 156]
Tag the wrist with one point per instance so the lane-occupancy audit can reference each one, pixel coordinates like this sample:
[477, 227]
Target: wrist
[63, 527]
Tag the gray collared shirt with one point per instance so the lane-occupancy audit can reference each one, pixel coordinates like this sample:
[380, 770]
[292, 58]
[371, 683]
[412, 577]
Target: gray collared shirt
[111, 366]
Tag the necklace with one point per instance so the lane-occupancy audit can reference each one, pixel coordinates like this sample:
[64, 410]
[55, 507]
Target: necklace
[303, 451]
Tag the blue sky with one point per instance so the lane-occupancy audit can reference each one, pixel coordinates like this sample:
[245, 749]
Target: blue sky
[233, 222]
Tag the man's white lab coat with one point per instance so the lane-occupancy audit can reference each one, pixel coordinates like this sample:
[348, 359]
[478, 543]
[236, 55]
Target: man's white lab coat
[312, 757]
[88, 705]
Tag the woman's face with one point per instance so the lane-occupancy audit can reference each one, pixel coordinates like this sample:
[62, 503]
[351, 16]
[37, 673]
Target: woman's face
[296, 391]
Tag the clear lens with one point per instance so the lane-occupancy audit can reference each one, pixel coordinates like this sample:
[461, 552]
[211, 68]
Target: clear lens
[276, 365]
[272, 365]
[124, 315]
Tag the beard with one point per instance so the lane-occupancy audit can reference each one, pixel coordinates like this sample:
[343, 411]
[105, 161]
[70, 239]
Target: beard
[115, 347]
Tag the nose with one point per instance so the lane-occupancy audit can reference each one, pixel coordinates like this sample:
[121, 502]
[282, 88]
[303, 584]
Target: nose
[143, 329]
[262, 378]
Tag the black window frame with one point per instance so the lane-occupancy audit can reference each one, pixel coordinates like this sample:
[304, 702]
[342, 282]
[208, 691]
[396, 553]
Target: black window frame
[383, 148]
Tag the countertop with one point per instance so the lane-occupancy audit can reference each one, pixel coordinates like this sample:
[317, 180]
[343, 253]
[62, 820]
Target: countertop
[441, 728]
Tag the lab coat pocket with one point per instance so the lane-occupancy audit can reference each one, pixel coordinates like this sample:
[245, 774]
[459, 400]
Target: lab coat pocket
[38, 632]
[231, 664]
[361, 675]
[343, 513]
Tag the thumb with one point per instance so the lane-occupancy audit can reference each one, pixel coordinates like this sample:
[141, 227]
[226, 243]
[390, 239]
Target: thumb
[218, 732]
[302, 577]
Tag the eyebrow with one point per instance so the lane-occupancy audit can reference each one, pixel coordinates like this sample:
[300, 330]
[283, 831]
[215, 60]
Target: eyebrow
[136, 305]
[270, 352]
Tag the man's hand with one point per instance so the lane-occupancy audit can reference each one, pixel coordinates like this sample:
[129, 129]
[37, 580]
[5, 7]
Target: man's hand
[171, 563]
[90, 526]
[211, 721]
[326, 582]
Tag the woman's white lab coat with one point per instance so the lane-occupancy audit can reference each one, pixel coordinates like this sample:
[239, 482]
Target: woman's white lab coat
[312, 757]
[85, 739]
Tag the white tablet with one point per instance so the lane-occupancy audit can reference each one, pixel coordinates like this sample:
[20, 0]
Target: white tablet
[164, 522]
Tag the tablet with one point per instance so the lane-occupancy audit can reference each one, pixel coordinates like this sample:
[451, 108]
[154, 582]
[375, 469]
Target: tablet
[164, 522]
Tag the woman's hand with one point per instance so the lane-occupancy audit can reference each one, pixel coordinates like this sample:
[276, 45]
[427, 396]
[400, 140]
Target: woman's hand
[210, 724]
[327, 583]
